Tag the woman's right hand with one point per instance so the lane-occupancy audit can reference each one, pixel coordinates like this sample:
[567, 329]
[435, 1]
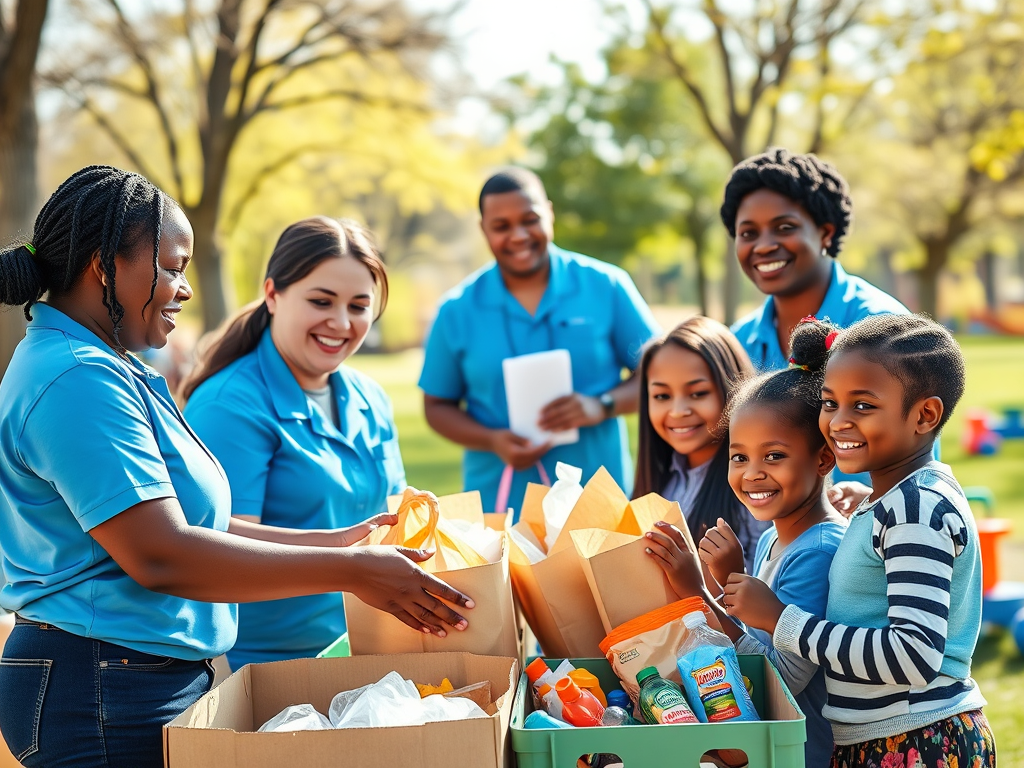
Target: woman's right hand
[515, 451]
[390, 581]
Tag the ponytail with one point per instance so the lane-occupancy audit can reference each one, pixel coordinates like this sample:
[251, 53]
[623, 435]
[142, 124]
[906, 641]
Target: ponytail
[237, 337]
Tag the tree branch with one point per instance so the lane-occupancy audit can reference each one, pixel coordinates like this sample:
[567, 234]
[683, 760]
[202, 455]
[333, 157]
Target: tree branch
[684, 76]
[19, 61]
[138, 52]
[190, 20]
[251, 52]
[337, 93]
[118, 138]
[235, 213]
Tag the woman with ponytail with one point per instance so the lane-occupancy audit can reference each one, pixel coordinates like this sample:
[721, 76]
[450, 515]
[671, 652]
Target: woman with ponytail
[122, 560]
[306, 442]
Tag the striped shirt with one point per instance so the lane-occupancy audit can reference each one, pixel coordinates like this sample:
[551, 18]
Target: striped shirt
[903, 615]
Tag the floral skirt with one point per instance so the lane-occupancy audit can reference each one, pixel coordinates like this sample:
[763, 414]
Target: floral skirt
[961, 741]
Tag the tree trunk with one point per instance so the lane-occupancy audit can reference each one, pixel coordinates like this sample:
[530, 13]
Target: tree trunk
[936, 255]
[19, 140]
[698, 234]
[731, 283]
[209, 263]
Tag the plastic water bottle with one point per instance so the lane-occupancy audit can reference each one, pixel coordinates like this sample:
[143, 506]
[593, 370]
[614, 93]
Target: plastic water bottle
[616, 716]
[541, 719]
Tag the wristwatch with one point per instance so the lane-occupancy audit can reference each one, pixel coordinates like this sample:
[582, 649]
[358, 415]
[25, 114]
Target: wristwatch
[608, 404]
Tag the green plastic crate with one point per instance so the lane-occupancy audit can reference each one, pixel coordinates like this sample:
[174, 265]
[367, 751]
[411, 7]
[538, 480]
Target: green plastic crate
[776, 743]
[336, 649]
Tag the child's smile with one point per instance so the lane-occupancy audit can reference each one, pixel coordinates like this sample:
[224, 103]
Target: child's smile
[866, 421]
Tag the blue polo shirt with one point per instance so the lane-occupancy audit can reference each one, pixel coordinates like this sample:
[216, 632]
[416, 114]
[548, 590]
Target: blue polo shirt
[85, 435]
[289, 466]
[590, 308]
[849, 298]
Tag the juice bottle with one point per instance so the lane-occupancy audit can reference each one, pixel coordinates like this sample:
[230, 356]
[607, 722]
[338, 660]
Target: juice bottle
[579, 707]
[711, 673]
[589, 682]
[661, 700]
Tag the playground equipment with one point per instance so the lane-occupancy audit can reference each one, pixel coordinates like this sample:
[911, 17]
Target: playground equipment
[984, 432]
[1002, 602]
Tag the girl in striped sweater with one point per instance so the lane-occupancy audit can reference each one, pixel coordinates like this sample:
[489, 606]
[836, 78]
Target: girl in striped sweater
[904, 604]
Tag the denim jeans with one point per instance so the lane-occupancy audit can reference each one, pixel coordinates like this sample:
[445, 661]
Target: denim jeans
[67, 700]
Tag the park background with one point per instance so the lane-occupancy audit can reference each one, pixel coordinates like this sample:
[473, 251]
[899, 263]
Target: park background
[255, 113]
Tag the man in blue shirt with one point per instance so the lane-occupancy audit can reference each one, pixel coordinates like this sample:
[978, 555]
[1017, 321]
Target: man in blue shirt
[535, 297]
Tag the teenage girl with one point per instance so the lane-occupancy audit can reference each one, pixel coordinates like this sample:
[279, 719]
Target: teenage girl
[778, 462]
[904, 605]
[685, 379]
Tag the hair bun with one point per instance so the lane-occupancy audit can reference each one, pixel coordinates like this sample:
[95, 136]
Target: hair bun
[810, 343]
[20, 279]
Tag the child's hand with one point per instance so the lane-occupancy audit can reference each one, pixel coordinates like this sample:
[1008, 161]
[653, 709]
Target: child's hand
[721, 551]
[682, 567]
[847, 496]
[752, 601]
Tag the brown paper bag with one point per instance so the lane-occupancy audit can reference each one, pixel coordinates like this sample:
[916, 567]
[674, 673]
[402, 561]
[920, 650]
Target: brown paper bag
[554, 594]
[493, 629]
[624, 580]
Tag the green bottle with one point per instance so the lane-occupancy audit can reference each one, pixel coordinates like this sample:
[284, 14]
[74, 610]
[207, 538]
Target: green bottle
[661, 700]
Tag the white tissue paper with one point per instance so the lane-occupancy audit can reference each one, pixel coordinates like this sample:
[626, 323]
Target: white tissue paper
[485, 541]
[531, 550]
[560, 500]
[299, 717]
[394, 700]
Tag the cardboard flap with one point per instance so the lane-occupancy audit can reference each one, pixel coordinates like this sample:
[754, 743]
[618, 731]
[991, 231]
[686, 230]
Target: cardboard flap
[532, 512]
[593, 541]
[602, 505]
[644, 512]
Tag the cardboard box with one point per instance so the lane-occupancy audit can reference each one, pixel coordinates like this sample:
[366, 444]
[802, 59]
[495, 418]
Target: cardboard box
[218, 731]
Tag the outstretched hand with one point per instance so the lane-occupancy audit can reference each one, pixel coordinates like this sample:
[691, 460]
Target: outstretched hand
[390, 580]
[668, 547]
[750, 600]
[346, 537]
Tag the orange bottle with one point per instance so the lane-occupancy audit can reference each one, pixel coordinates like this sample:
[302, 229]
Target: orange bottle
[580, 708]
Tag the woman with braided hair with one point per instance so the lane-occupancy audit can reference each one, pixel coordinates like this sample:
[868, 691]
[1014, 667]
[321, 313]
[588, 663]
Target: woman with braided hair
[122, 559]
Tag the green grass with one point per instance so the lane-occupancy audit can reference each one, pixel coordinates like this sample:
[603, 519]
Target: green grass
[995, 372]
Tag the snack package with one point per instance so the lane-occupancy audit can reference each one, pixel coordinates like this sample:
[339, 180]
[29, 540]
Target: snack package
[650, 640]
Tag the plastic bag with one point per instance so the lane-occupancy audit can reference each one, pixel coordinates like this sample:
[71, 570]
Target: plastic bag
[394, 700]
[483, 540]
[420, 526]
[560, 500]
[298, 717]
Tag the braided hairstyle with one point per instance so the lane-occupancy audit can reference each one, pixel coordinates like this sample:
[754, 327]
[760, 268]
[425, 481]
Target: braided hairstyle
[804, 179]
[100, 210]
[794, 393]
[922, 355]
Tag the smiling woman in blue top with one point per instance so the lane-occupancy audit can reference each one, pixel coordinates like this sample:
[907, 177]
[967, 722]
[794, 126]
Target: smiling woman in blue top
[789, 215]
[535, 297]
[121, 556]
[306, 442]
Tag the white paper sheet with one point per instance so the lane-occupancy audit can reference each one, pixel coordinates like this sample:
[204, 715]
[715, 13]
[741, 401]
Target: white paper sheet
[531, 382]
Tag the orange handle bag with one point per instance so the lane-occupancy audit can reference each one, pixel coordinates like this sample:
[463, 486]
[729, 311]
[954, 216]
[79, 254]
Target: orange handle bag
[420, 526]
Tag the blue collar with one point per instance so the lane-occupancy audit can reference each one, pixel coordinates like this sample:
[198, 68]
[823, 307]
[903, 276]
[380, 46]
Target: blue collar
[833, 306]
[45, 316]
[290, 402]
[495, 294]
